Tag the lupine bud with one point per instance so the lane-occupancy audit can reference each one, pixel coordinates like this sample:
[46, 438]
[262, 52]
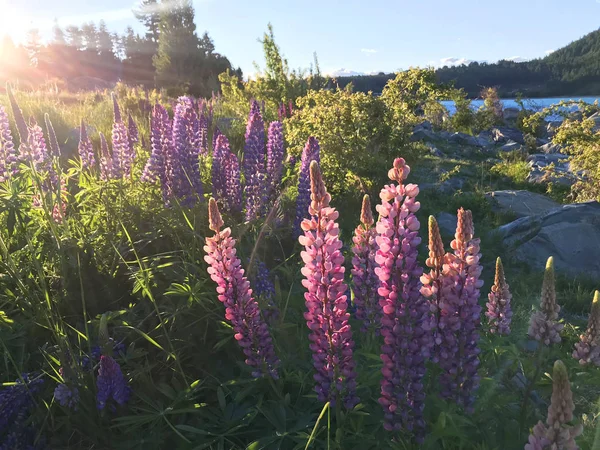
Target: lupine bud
[22, 128]
[111, 383]
[132, 133]
[233, 288]
[499, 312]
[275, 155]
[365, 280]
[106, 160]
[122, 153]
[52, 140]
[432, 281]
[86, 151]
[406, 322]
[254, 164]
[326, 302]
[557, 435]
[587, 350]
[8, 154]
[310, 153]
[543, 326]
[459, 321]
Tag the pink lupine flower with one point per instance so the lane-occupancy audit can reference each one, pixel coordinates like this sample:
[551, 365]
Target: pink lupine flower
[499, 312]
[241, 309]
[326, 301]
[587, 350]
[406, 322]
[364, 278]
[543, 326]
[459, 321]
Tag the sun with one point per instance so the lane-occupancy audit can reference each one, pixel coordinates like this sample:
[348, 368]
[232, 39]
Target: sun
[12, 23]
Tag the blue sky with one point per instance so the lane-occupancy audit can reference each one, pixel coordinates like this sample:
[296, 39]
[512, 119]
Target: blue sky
[359, 36]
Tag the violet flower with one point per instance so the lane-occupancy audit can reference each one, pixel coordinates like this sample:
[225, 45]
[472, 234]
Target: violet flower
[106, 160]
[230, 167]
[133, 133]
[203, 135]
[8, 154]
[158, 166]
[67, 395]
[275, 155]
[16, 405]
[310, 153]
[85, 149]
[111, 383]
[254, 165]
[233, 288]
[544, 326]
[406, 323]
[264, 289]
[326, 301]
[587, 350]
[459, 321]
[121, 151]
[557, 434]
[364, 279]
[52, 140]
[499, 312]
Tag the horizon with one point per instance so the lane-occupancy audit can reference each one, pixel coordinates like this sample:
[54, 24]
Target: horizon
[236, 31]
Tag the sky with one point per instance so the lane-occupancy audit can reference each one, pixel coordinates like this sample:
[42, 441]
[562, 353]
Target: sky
[351, 36]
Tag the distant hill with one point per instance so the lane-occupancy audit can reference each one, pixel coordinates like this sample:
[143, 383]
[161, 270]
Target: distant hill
[571, 70]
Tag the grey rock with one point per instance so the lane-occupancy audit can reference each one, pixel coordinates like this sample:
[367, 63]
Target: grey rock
[520, 203]
[550, 148]
[552, 126]
[434, 151]
[511, 146]
[425, 125]
[422, 134]
[447, 223]
[548, 157]
[511, 113]
[465, 139]
[504, 134]
[445, 135]
[570, 233]
[452, 185]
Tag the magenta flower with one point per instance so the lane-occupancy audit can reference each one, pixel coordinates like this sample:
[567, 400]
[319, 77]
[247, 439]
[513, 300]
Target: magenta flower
[459, 321]
[241, 309]
[310, 153]
[8, 154]
[364, 279]
[326, 301]
[406, 322]
[85, 148]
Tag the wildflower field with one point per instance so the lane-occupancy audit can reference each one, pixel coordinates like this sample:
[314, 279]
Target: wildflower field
[202, 274]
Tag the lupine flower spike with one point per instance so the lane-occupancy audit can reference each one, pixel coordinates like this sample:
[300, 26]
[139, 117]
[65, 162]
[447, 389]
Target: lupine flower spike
[8, 154]
[52, 140]
[557, 434]
[310, 153]
[406, 322]
[326, 301]
[132, 133]
[543, 326]
[106, 160]
[432, 281]
[254, 164]
[122, 152]
[364, 279]
[499, 312]
[111, 383]
[86, 151]
[233, 288]
[16, 404]
[587, 350]
[459, 322]
[275, 154]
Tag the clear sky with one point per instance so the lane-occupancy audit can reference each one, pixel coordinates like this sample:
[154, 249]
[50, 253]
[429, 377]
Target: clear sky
[357, 35]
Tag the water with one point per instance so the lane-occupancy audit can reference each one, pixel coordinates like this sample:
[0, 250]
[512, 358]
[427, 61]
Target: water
[535, 104]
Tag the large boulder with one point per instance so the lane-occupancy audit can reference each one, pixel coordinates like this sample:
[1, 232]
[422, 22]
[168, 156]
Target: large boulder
[550, 148]
[520, 203]
[447, 223]
[570, 233]
[467, 139]
[511, 146]
[511, 113]
[504, 134]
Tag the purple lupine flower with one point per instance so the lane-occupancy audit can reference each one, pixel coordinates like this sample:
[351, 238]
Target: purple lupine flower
[35, 153]
[184, 166]
[159, 164]
[264, 289]
[326, 301]
[22, 128]
[499, 312]
[557, 434]
[544, 326]
[111, 383]
[290, 108]
[106, 160]
[406, 322]
[364, 279]
[220, 148]
[231, 174]
[310, 153]
[67, 395]
[16, 404]
[52, 140]
[85, 148]
[8, 154]
[254, 108]
[132, 133]
[122, 152]
[203, 135]
[216, 134]
[275, 155]
[233, 288]
[459, 322]
[292, 160]
[587, 350]
[254, 164]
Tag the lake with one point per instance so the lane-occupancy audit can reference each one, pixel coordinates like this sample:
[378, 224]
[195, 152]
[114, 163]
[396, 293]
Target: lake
[534, 104]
